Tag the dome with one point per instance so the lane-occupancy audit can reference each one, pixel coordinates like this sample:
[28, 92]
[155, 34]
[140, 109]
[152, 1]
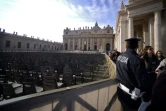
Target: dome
[96, 27]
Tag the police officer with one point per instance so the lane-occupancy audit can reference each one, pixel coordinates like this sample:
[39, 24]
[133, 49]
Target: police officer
[132, 76]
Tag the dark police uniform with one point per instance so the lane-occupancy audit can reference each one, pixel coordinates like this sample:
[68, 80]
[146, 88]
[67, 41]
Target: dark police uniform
[131, 73]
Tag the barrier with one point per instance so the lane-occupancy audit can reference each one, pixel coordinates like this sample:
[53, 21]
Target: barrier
[95, 96]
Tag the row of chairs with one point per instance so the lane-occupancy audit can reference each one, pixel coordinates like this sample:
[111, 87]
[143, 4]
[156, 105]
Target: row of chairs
[43, 59]
[8, 90]
[27, 73]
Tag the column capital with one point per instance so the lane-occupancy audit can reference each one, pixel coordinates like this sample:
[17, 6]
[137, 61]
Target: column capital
[130, 17]
[122, 21]
[158, 10]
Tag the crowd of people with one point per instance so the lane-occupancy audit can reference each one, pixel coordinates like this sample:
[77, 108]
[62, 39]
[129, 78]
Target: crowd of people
[142, 71]
[114, 55]
[142, 54]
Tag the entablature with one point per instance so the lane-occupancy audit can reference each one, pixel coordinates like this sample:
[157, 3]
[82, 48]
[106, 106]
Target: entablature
[145, 8]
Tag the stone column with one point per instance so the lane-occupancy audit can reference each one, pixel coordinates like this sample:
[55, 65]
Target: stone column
[98, 43]
[111, 44]
[151, 31]
[122, 35]
[131, 28]
[120, 40]
[82, 44]
[141, 42]
[87, 44]
[68, 48]
[91, 46]
[157, 33]
[103, 43]
[78, 43]
[146, 35]
[73, 44]
[92, 43]
[64, 42]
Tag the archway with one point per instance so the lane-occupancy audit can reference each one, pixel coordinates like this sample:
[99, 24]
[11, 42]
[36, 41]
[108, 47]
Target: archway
[95, 47]
[107, 47]
[84, 47]
[75, 47]
[66, 46]
[88, 48]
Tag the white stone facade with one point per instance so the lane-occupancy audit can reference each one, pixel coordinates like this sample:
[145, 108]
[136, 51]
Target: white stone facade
[145, 19]
[89, 39]
[14, 42]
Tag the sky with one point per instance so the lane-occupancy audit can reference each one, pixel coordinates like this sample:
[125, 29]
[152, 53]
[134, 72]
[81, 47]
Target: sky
[48, 18]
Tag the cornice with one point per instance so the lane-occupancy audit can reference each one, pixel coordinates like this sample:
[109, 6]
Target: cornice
[122, 12]
[137, 4]
[118, 20]
[84, 35]
[11, 36]
[80, 37]
[146, 8]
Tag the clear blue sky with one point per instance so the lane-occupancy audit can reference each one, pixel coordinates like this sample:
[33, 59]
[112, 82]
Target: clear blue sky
[48, 18]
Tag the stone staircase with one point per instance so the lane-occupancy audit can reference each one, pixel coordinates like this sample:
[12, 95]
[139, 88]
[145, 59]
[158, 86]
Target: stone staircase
[101, 72]
[98, 74]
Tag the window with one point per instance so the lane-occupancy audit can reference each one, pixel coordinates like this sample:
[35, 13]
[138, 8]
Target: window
[52, 47]
[34, 46]
[55, 47]
[66, 32]
[108, 31]
[8, 43]
[19, 44]
[27, 45]
[40, 46]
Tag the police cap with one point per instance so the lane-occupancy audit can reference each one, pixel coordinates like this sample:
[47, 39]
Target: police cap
[132, 40]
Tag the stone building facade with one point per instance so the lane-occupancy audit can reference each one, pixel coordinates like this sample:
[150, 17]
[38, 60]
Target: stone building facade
[145, 19]
[89, 39]
[14, 42]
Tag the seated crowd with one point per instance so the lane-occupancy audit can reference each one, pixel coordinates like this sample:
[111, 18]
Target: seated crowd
[23, 73]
